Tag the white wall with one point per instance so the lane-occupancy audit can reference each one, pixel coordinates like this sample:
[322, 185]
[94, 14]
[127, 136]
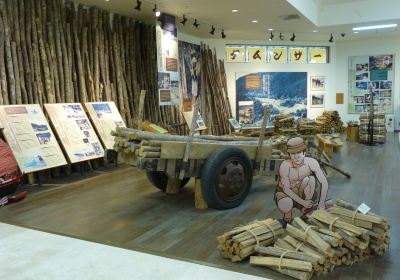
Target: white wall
[327, 70]
[374, 46]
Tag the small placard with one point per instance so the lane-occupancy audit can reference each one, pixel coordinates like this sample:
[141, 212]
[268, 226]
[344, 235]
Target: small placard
[363, 208]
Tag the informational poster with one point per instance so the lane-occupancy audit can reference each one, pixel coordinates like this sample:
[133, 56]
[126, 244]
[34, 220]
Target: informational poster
[167, 62]
[235, 54]
[30, 137]
[75, 132]
[256, 54]
[371, 75]
[277, 54]
[298, 54]
[105, 118]
[190, 74]
[317, 55]
[283, 92]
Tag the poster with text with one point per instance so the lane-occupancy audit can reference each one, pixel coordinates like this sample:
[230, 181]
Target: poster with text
[75, 131]
[371, 77]
[30, 138]
[235, 53]
[256, 54]
[283, 92]
[317, 55]
[298, 54]
[277, 54]
[105, 118]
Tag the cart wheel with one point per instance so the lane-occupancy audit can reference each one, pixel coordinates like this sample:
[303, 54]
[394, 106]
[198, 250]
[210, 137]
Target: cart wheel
[160, 180]
[226, 178]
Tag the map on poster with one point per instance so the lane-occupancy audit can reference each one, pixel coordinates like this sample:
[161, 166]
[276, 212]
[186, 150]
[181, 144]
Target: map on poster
[30, 137]
[75, 132]
[283, 92]
[105, 118]
[368, 75]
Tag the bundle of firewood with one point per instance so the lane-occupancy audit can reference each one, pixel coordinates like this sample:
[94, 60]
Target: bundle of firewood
[378, 128]
[306, 126]
[240, 242]
[339, 236]
[329, 122]
[283, 121]
[352, 123]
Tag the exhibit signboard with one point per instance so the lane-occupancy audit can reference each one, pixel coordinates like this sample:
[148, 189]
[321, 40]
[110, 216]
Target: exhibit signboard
[105, 118]
[30, 137]
[75, 132]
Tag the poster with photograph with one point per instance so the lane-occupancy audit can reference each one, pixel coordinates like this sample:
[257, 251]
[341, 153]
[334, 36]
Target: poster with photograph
[277, 55]
[30, 138]
[235, 53]
[371, 77]
[105, 118]
[75, 131]
[190, 74]
[283, 92]
[298, 54]
[256, 54]
[317, 100]
[317, 83]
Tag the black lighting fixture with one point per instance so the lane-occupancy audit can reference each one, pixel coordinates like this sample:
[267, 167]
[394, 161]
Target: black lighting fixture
[212, 30]
[196, 24]
[138, 5]
[223, 36]
[281, 36]
[293, 37]
[331, 39]
[156, 11]
[271, 36]
[184, 20]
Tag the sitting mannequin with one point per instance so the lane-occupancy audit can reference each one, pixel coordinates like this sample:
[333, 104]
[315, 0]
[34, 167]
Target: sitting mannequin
[297, 181]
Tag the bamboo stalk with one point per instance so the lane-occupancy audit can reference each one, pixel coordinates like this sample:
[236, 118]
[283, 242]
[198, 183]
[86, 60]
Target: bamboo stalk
[281, 263]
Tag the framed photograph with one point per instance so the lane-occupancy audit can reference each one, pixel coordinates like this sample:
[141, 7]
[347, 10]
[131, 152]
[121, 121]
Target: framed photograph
[317, 100]
[317, 83]
[234, 123]
[246, 112]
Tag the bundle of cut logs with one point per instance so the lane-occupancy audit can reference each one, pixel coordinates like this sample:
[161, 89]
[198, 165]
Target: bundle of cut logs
[378, 128]
[339, 236]
[306, 126]
[329, 122]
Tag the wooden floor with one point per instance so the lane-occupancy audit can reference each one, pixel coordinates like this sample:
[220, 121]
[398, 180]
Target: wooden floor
[122, 209]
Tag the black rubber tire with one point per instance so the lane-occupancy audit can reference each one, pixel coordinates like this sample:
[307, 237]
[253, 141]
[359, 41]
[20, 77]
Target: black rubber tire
[211, 172]
[160, 180]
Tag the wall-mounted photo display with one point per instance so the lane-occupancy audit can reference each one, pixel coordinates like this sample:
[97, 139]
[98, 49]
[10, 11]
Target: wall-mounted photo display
[317, 100]
[371, 80]
[317, 55]
[298, 54]
[256, 54]
[317, 83]
[246, 112]
[30, 137]
[235, 53]
[277, 55]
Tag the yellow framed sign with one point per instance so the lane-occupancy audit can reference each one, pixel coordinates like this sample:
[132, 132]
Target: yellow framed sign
[235, 53]
[256, 54]
[277, 54]
[317, 55]
[298, 54]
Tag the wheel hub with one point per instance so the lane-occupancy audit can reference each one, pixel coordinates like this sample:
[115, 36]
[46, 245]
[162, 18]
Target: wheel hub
[231, 180]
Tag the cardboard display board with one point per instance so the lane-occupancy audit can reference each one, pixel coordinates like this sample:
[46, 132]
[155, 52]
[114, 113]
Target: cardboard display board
[30, 137]
[105, 117]
[75, 132]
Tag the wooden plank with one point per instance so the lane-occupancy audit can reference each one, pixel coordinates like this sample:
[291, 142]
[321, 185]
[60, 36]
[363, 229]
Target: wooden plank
[199, 201]
[175, 150]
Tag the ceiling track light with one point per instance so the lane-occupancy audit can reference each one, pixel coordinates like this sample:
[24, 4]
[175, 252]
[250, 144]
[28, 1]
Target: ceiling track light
[223, 36]
[138, 5]
[212, 30]
[184, 20]
[196, 24]
[293, 37]
[331, 39]
[271, 36]
[281, 36]
[156, 11]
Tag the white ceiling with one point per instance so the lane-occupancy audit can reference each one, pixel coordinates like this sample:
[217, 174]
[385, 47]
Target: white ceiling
[325, 16]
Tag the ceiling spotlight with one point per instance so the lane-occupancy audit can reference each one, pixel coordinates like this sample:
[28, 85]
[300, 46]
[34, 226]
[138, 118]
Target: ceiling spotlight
[270, 29]
[196, 24]
[156, 11]
[235, 11]
[212, 30]
[315, 31]
[184, 20]
[331, 39]
[271, 36]
[254, 21]
[223, 36]
[293, 37]
[138, 5]
[356, 32]
[281, 36]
